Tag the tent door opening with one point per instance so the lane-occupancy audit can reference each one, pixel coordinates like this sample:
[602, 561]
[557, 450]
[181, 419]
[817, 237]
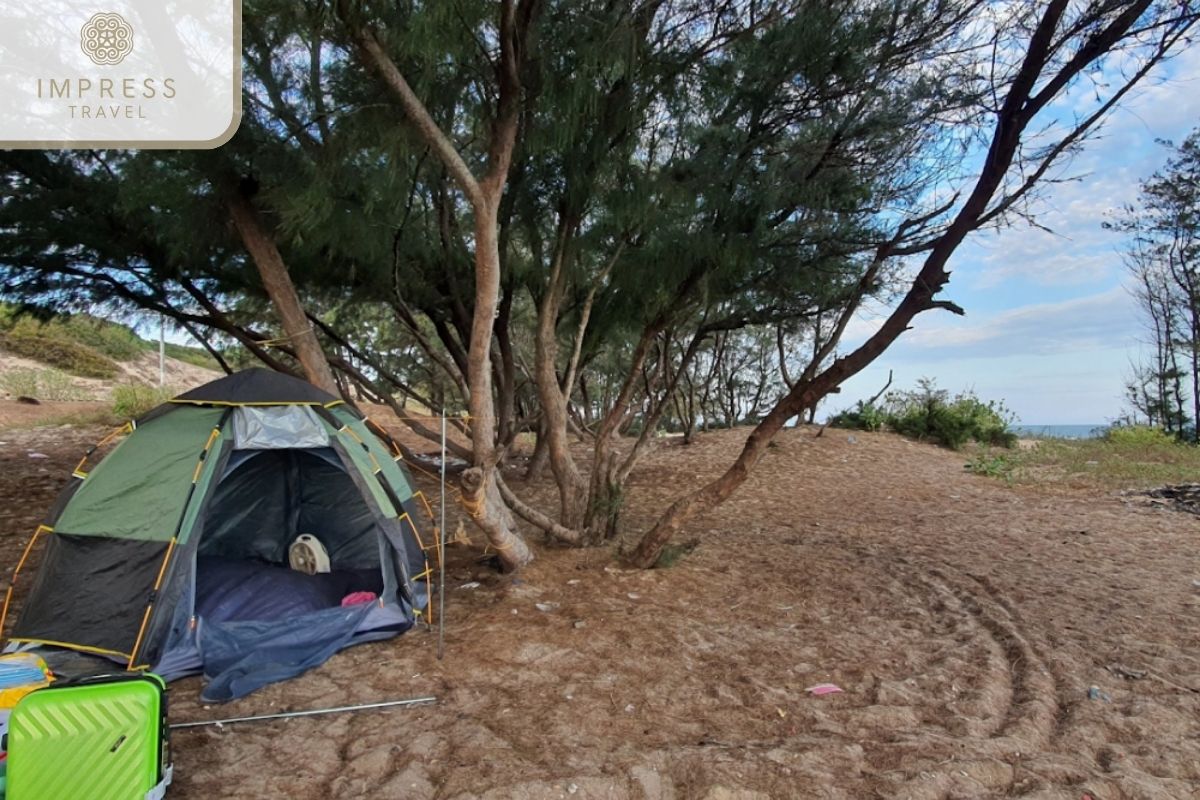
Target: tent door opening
[265, 500]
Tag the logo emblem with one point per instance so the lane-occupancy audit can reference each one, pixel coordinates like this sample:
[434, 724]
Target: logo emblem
[106, 39]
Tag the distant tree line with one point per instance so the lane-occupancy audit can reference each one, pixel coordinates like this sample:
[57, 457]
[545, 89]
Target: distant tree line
[584, 221]
[1162, 255]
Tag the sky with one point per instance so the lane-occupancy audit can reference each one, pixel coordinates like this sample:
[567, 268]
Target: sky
[1050, 327]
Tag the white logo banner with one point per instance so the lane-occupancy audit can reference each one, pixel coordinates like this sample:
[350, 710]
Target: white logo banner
[119, 73]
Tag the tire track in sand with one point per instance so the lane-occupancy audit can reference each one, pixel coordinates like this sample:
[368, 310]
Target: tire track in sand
[1019, 697]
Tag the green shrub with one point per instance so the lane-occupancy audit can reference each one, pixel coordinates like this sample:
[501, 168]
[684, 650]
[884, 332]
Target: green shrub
[118, 342]
[25, 326]
[41, 384]
[132, 400]
[110, 340]
[8, 315]
[191, 355]
[21, 382]
[1138, 436]
[931, 413]
[863, 417]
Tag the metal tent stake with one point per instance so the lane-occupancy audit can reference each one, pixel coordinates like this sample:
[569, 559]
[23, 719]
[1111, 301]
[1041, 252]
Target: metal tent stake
[442, 550]
[312, 713]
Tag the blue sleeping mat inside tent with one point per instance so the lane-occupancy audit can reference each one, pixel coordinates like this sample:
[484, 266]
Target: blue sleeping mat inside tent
[234, 590]
[262, 623]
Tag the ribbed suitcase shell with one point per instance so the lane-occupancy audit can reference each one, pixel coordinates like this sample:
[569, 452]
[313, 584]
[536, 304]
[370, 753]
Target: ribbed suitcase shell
[102, 738]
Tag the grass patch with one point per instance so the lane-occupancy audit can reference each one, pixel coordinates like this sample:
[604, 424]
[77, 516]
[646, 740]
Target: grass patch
[994, 465]
[110, 341]
[195, 356]
[41, 384]
[58, 352]
[863, 417]
[97, 416]
[132, 400]
[107, 338]
[1126, 458]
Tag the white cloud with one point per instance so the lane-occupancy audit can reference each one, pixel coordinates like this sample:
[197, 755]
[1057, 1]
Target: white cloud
[1099, 321]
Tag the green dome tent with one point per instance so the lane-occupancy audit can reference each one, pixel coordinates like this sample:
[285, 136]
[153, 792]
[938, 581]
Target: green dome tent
[172, 554]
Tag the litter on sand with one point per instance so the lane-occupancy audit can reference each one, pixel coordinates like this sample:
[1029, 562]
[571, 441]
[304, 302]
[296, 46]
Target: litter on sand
[1128, 673]
[823, 688]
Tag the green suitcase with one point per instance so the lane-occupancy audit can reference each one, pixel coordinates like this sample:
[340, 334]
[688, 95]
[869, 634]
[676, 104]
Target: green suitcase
[103, 737]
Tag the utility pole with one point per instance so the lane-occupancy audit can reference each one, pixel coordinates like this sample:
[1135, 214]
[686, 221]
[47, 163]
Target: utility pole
[162, 351]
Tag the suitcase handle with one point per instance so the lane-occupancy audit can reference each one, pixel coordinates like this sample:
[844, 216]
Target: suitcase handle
[103, 677]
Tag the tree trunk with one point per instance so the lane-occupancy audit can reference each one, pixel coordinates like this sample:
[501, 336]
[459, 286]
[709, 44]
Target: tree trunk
[572, 490]
[282, 292]
[537, 461]
[485, 504]
[1194, 355]
[480, 492]
[603, 497]
[506, 373]
[481, 497]
[716, 492]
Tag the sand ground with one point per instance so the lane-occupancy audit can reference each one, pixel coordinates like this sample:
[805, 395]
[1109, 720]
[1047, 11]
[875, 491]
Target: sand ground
[965, 620]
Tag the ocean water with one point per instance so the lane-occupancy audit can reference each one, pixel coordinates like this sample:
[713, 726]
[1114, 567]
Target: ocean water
[1059, 431]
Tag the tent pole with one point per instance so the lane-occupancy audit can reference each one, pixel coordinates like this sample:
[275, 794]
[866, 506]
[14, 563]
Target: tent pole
[312, 713]
[442, 551]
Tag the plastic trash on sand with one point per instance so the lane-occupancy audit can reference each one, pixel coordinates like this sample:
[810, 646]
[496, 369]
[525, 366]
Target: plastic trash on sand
[823, 688]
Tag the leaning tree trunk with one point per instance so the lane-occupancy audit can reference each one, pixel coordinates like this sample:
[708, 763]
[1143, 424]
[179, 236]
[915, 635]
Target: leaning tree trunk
[1029, 92]
[282, 292]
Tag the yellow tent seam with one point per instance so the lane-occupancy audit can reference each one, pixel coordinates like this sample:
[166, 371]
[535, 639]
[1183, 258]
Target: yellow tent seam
[162, 570]
[72, 646]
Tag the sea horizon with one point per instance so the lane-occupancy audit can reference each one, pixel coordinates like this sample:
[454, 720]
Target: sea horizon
[1067, 431]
